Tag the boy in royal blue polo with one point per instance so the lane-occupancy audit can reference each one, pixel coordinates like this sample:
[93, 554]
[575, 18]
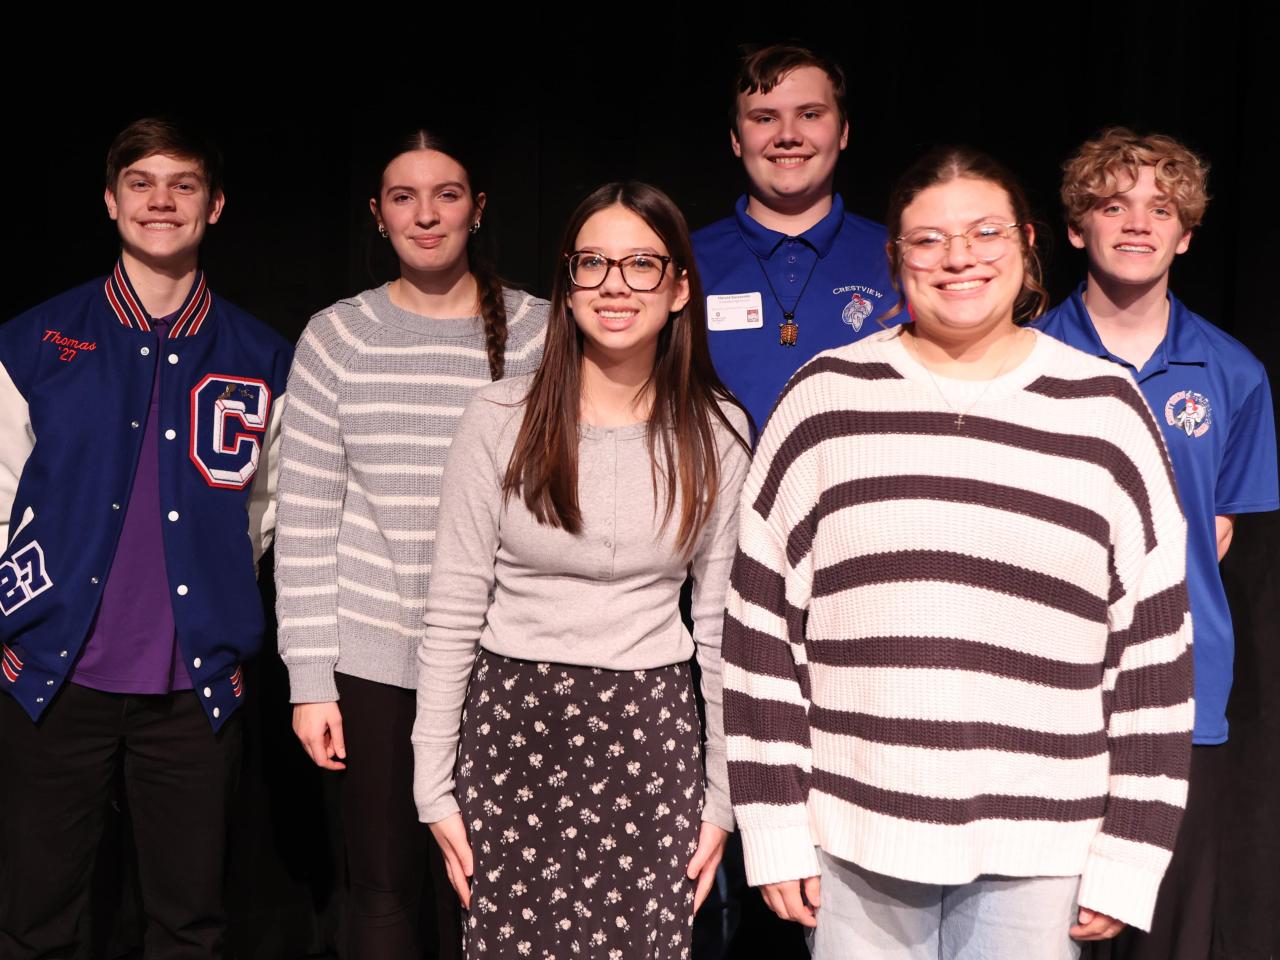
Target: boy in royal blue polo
[791, 273]
[1131, 204]
[138, 424]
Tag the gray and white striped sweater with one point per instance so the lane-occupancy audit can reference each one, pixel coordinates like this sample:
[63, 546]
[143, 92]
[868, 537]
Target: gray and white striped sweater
[954, 651]
[375, 395]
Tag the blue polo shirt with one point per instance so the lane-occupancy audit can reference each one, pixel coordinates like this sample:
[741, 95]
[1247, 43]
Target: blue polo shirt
[1211, 398]
[834, 277]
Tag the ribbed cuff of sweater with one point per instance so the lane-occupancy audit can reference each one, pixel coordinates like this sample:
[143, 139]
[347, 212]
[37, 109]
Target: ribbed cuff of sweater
[777, 854]
[312, 682]
[1120, 890]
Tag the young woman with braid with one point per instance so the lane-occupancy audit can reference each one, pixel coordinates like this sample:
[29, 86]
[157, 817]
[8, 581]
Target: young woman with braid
[957, 649]
[379, 383]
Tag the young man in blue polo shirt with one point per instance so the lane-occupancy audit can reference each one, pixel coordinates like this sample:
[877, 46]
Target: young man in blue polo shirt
[138, 423]
[791, 273]
[1132, 203]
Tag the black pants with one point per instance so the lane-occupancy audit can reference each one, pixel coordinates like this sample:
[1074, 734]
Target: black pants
[55, 780]
[400, 900]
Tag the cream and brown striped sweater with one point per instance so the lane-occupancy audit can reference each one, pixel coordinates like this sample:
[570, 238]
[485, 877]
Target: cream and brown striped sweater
[954, 651]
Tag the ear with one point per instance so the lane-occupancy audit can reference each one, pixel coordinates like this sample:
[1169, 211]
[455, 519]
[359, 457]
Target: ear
[682, 292]
[844, 135]
[109, 196]
[1184, 243]
[216, 203]
[373, 209]
[1075, 237]
[1029, 234]
[735, 143]
[480, 202]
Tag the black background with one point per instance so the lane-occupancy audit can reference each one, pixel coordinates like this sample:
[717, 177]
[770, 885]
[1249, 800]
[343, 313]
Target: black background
[564, 99]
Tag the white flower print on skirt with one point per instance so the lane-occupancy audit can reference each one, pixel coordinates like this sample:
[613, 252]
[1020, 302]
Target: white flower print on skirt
[581, 790]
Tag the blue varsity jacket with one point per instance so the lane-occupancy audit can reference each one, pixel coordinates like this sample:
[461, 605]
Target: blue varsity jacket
[76, 377]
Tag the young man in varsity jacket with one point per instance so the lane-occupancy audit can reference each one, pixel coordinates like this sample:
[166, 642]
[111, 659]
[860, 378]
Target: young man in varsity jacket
[1131, 204]
[139, 416]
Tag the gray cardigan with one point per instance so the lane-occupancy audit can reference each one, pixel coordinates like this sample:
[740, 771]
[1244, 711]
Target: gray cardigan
[607, 597]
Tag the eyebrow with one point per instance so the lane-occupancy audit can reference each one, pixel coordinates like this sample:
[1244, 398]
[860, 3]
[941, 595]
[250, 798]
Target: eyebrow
[990, 218]
[1163, 199]
[652, 251]
[192, 174]
[438, 186]
[811, 105]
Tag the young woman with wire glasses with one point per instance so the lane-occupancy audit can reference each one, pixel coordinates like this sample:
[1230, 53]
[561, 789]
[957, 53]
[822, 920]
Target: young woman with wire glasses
[957, 648]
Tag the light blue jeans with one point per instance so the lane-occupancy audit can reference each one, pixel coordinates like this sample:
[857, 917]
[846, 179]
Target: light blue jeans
[866, 916]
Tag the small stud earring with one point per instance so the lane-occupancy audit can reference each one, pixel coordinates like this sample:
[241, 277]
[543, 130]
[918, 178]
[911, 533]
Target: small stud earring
[382, 230]
[475, 227]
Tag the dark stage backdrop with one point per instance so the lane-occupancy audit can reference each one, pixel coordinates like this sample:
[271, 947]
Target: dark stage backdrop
[560, 108]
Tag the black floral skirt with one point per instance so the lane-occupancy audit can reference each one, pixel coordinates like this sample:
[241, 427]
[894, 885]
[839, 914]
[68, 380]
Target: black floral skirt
[582, 792]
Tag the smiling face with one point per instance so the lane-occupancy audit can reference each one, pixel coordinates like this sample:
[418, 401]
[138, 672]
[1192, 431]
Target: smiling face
[1132, 237]
[161, 205]
[619, 324]
[963, 298]
[426, 207]
[789, 140]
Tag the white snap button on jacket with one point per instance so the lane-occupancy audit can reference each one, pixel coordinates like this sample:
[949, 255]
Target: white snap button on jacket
[173, 358]
[182, 589]
[216, 713]
[145, 351]
[196, 663]
[208, 692]
[173, 515]
[170, 434]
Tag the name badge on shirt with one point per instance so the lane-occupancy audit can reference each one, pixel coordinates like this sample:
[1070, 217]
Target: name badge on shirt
[735, 311]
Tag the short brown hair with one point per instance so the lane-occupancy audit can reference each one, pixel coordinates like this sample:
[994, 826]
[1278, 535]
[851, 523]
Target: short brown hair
[1102, 166]
[152, 135]
[947, 163]
[763, 68]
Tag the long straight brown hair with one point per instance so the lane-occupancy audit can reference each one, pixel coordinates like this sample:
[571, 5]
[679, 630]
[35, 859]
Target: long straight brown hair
[687, 394]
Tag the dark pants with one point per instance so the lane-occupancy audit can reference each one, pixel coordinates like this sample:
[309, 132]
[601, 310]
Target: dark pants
[55, 780]
[400, 899]
[1183, 925]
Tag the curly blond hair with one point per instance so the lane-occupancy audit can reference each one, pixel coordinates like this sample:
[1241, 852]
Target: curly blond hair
[1111, 162]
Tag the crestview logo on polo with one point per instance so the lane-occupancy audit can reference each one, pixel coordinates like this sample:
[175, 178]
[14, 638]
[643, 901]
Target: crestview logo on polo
[745, 311]
[1189, 412]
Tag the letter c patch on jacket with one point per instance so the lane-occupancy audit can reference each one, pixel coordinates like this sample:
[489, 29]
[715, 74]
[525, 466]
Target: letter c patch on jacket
[228, 418]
